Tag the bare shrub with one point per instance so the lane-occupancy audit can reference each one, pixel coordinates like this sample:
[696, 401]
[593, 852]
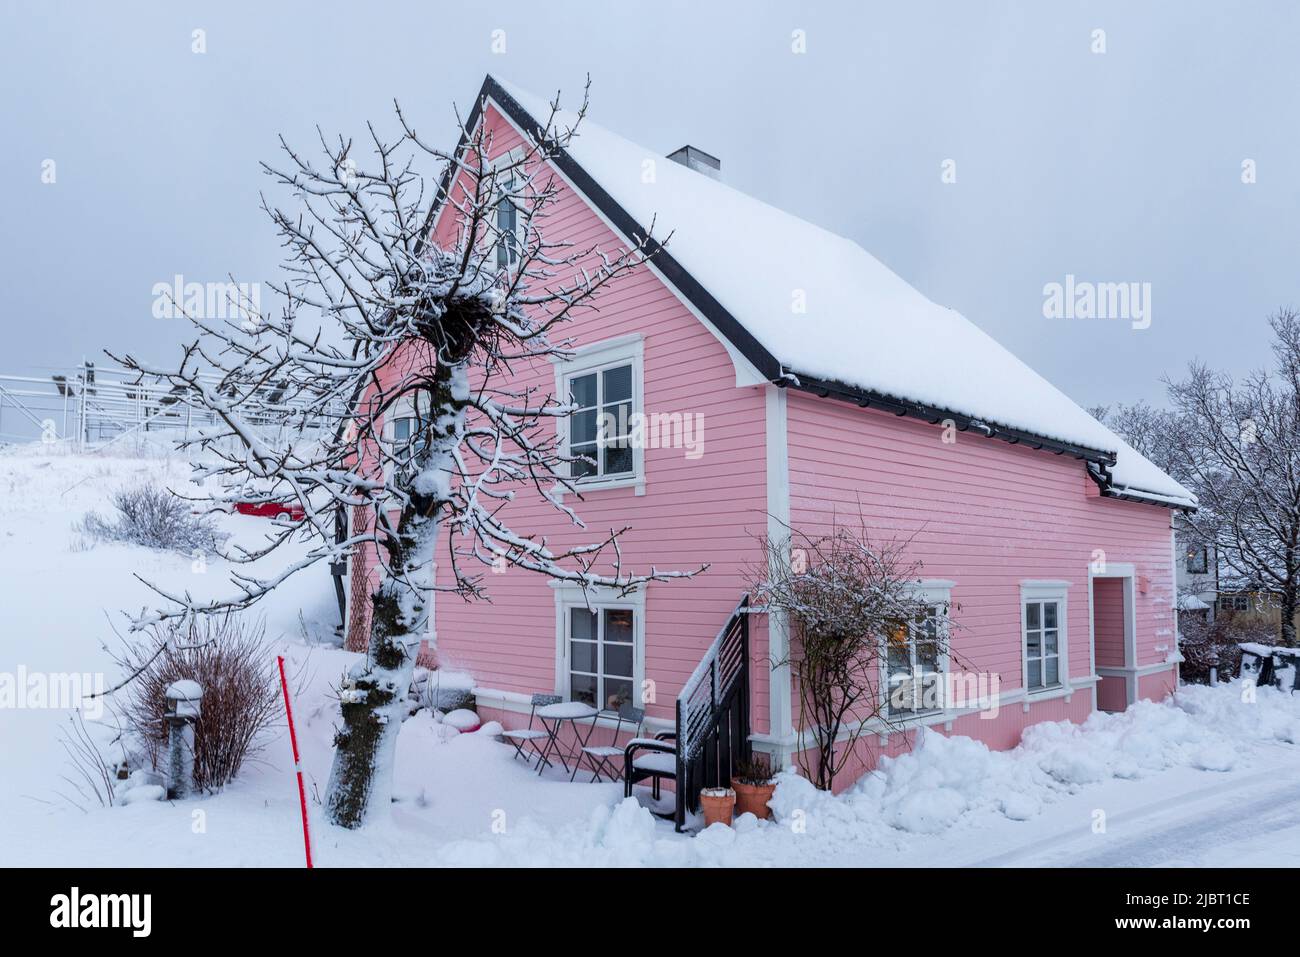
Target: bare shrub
[866, 642]
[226, 655]
[155, 517]
[1214, 643]
[90, 775]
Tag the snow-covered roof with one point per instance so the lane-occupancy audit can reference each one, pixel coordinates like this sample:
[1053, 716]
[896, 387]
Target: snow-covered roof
[861, 325]
[1191, 603]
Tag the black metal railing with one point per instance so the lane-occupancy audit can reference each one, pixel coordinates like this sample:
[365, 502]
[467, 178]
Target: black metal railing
[713, 715]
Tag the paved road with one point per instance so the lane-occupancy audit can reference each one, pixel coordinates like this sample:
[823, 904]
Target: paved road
[1227, 823]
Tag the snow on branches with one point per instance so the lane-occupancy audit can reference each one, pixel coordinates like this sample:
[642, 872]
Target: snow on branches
[376, 321]
[1242, 458]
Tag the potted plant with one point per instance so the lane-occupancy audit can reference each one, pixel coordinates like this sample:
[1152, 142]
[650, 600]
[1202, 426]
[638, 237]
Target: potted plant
[754, 784]
[717, 805]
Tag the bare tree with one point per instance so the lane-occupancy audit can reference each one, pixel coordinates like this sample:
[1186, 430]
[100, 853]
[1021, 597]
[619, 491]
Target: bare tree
[869, 647]
[1166, 438]
[1242, 460]
[1160, 435]
[360, 253]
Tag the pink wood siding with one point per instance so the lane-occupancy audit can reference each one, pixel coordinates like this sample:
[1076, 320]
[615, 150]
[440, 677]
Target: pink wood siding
[1112, 693]
[1108, 632]
[999, 732]
[1108, 621]
[1158, 686]
[984, 514]
[704, 510]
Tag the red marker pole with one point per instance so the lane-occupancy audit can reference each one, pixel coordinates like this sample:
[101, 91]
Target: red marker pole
[297, 765]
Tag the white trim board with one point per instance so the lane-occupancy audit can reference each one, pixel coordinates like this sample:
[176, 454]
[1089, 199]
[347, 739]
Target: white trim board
[947, 717]
[780, 677]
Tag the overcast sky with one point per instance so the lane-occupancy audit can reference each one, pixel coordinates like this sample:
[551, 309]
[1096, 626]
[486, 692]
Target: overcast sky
[1122, 166]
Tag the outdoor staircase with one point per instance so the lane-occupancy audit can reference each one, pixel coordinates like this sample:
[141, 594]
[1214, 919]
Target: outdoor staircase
[713, 720]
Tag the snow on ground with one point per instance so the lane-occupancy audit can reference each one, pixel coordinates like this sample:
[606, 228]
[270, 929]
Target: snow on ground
[1211, 780]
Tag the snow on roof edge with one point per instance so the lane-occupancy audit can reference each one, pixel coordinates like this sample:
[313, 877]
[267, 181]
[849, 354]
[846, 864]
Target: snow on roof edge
[1132, 472]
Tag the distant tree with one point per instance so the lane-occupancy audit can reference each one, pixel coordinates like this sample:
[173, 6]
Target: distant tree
[1240, 454]
[1158, 434]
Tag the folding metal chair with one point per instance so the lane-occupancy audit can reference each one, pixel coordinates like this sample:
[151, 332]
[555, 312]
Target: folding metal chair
[522, 736]
[601, 757]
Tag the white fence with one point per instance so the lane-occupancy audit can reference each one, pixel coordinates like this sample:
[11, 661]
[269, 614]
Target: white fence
[95, 407]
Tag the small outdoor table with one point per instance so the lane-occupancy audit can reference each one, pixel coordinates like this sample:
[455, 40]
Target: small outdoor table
[553, 717]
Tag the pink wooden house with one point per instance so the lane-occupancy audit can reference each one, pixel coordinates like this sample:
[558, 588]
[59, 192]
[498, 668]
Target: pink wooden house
[794, 379]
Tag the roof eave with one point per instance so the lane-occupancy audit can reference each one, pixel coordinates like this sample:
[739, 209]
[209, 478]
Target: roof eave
[869, 398]
[1129, 494]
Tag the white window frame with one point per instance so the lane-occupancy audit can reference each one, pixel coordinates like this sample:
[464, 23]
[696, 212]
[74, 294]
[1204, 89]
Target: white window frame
[402, 408]
[623, 350]
[569, 596]
[506, 159]
[1046, 591]
[933, 592]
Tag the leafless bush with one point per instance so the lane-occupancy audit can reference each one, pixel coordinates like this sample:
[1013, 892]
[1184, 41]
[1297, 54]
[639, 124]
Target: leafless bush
[1214, 643]
[90, 775]
[225, 654]
[155, 517]
[865, 642]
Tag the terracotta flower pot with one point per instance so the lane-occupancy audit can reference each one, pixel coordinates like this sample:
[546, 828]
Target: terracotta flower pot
[717, 805]
[753, 798]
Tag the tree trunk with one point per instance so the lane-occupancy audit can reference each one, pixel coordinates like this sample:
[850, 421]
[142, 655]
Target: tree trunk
[373, 698]
[373, 706]
[1288, 612]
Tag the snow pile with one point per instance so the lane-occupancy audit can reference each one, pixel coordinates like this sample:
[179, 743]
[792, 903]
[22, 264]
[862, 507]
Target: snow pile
[1274, 715]
[462, 719]
[946, 779]
[946, 783]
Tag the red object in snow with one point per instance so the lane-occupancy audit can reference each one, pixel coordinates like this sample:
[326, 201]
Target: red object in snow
[284, 511]
[297, 764]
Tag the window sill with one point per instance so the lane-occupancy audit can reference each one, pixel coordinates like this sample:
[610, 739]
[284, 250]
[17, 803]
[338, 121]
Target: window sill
[1032, 696]
[582, 487]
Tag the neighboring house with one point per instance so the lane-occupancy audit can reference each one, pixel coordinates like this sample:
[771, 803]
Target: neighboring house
[805, 384]
[1196, 578]
[1253, 606]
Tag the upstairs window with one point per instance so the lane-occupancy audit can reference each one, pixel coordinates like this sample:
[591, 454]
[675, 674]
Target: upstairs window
[1198, 559]
[507, 224]
[600, 427]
